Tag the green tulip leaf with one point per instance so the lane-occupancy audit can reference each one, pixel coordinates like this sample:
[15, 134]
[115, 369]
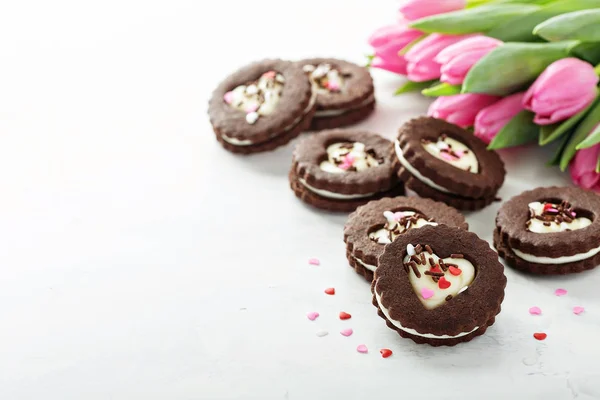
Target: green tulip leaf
[411, 86]
[598, 165]
[472, 20]
[443, 89]
[590, 52]
[550, 133]
[583, 130]
[520, 28]
[581, 25]
[591, 140]
[512, 66]
[560, 147]
[519, 130]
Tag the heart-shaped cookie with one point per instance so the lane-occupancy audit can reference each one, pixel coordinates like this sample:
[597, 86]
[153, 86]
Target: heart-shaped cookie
[437, 280]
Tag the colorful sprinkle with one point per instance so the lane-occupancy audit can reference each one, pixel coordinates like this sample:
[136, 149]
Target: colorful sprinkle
[312, 315]
[330, 291]
[535, 311]
[347, 162]
[578, 310]
[398, 216]
[385, 353]
[540, 336]
[251, 117]
[314, 261]
[269, 74]
[228, 97]
[333, 85]
[322, 333]
[447, 157]
[345, 316]
[455, 271]
[427, 293]
[410, 249]
[560, 292]
[347, 332]
[443, 283]
[362, 349]
[548, 206]
[252, 108]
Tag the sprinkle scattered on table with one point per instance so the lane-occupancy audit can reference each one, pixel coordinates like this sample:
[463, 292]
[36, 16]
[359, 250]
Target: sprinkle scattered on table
[344, 315]
[347, 332]
[535, 311]
[330, 291]
[312, 315]
[540, 336]
[385, 353]
[560, 292]
[578, 310]
[322, 333]
[362, 349]
[314, 261]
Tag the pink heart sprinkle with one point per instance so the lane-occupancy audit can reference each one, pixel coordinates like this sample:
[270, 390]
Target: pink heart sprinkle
[312, 315]
[269, 74]
[578, 310]
[362, 349]
[427, 293]
[447, 157]
[314, 261]
[252, 108]
[332, 85]
[560, 292]
[228, 97]
[347, 332]
[459, 153]
[398, 216]
[535, 311]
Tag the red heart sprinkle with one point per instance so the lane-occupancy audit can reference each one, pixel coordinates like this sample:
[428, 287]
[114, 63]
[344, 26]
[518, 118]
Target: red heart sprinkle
[436, 268]
[540, 336]
[455, 271]
[330, 291]
[345, 315]
[443, 283]
[547, 206]
[385, 353]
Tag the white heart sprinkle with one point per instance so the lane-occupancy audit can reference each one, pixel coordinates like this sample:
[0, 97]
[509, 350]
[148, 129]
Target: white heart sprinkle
[251, 117]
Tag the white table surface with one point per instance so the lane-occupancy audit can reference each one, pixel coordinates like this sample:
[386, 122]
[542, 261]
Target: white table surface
[139, 260]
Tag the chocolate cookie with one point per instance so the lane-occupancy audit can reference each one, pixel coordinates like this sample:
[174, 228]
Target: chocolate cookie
[552, 230]
[262, 106]
[380, 222]
[345, 93]
[446, 163]
[339, 170]
[438, 285]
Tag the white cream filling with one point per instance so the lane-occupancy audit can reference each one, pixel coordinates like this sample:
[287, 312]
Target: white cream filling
[557, 260]
[464, 158]
[333, 195]
[397, 324]
[237, 142]
[333, 113]
[370, 267]
[416, 173]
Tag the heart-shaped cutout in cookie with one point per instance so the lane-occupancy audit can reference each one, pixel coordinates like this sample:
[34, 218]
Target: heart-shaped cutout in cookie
[549, 217]
[258, 97]
[437, 280]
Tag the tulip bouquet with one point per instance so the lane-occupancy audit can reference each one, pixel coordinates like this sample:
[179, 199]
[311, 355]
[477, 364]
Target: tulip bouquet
[514, 71]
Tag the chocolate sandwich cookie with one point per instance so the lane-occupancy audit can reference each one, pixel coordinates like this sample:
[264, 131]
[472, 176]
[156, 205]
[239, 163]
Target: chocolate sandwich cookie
[552, 230]
[345, 93]
[438, 285]
[339, 170]
[444, 162]
[380, 222]
[262, 106]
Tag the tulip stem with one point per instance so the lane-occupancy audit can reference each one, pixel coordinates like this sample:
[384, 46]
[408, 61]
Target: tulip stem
[597, 69]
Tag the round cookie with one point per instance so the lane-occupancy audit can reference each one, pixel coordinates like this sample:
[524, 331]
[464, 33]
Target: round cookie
[444, 162]
[552, 230]
[262, 106]
[439, 285]
[345, 92]
[380, 222]
[339, 170]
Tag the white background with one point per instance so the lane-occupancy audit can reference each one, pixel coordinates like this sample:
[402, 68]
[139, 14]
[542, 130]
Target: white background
[139, 260]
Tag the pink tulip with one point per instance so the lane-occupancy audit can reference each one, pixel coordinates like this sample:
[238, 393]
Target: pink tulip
[492, 119]
[387, 42]
[415, 9]
[421, 57]
[583, 168]
[565, 88]
[460, 109]
[458, 58]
